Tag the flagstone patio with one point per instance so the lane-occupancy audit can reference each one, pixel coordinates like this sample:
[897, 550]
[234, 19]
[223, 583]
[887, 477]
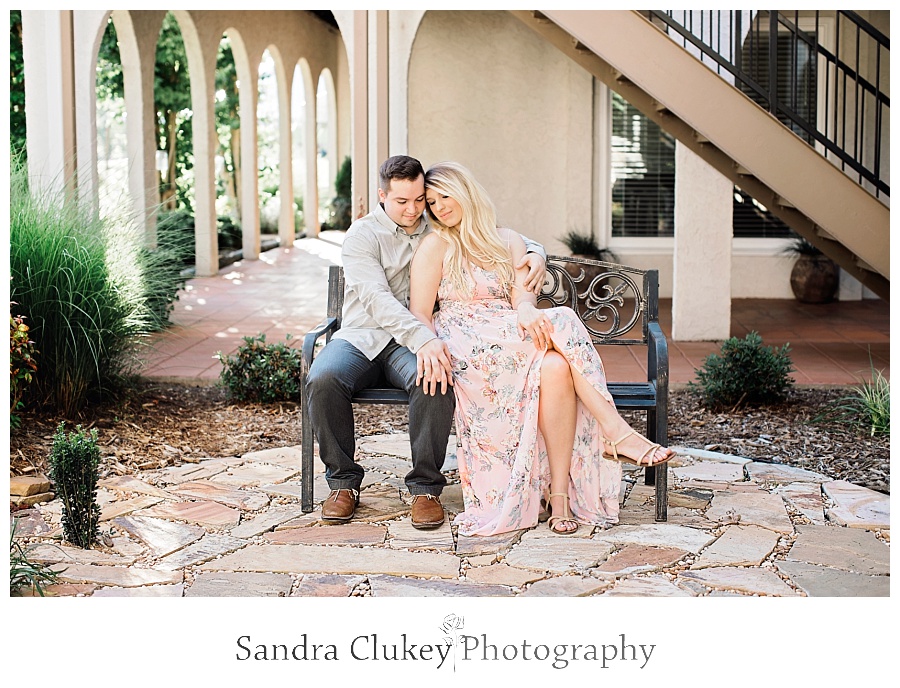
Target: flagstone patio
[227, 526]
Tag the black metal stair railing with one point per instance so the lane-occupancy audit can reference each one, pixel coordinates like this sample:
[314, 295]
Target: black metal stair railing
[824, 74]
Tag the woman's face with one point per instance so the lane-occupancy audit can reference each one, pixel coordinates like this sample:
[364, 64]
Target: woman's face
[444, 208]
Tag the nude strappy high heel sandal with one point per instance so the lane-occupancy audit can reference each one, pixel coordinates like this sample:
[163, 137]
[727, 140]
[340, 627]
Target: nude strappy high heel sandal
[567, 517]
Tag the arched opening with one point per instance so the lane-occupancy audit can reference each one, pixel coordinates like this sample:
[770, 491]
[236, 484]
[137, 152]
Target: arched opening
[267, 142]
[326, 142]
[305, 215]
[228, 149]
[111, 141]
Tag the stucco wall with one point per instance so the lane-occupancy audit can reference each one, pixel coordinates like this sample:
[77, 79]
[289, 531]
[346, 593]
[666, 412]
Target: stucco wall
[485, 91]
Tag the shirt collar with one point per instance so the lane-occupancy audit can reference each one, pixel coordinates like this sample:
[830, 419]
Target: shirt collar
[382, 218]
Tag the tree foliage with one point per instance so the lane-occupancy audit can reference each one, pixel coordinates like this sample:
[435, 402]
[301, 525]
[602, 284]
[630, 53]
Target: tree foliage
[16, 84]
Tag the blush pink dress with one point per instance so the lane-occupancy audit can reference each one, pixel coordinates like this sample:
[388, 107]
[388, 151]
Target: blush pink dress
[502, 460]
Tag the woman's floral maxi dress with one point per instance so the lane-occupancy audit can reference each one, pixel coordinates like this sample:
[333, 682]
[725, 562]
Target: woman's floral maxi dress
[502, 460]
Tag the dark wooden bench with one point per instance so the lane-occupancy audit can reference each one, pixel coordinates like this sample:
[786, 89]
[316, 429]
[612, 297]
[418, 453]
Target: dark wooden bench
[617, 304]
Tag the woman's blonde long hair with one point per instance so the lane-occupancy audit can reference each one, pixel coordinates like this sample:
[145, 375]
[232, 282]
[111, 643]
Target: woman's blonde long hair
[476, 238]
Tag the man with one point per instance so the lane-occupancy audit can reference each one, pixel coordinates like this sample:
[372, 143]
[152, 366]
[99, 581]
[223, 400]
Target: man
[380, 340]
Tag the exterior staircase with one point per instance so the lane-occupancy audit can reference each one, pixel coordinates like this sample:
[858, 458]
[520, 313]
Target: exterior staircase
[817, 184]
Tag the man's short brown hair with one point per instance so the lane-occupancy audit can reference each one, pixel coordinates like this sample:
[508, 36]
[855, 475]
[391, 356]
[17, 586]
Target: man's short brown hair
[399, 167]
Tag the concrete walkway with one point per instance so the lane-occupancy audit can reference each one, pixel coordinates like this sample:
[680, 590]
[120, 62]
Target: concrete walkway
[232, 527]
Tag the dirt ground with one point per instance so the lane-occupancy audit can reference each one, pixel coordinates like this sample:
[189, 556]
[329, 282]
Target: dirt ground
[168, 424]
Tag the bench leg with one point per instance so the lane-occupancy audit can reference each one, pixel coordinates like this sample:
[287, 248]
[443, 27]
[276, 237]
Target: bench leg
[306, 459]
[658, 475]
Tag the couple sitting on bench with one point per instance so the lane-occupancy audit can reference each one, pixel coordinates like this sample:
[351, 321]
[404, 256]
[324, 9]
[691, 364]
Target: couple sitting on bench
[538, 429]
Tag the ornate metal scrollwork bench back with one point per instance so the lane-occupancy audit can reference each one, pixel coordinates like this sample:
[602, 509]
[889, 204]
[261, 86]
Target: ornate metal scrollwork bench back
[619, 305]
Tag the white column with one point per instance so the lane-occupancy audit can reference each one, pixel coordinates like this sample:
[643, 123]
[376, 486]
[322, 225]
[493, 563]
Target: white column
[249, 162]
[359, 99]
[286, 230]
[701, 292]
[379, 111]
[88, 27]
[49, 98]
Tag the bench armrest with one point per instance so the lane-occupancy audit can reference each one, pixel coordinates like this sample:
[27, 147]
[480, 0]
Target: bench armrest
[657, 356]
[327, 326]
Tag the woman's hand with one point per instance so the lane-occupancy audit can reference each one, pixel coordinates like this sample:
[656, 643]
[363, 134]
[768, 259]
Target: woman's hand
[534, 322]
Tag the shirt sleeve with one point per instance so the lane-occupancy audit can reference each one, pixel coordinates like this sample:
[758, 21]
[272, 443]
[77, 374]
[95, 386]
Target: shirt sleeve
[364, 273]
[533, 247]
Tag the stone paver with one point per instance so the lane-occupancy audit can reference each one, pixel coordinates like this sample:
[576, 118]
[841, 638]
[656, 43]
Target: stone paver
[805, 498]
[739, 546]
[690, 499]
[128, 483]
[127, 506]
[645, 514]
[60, 590]
[502, 574]
[28, 523]
[490, 544]
[290, 457]
[395, 586]
[254, 474]
[380, 503]
[849, 549]
[326, 585]
[203, 512]
[191, 471]
[557, 553]
[778, 473]
[28, 485]
[404, 536]
[319, 559]
[248, 500]
[710, 471]
[858, 507]
[343, 534]
[821, 581]
[707, 455]
[566, 586]
[397, 445]
[640, 558]
[67, 554]
[746, 580]
[176, 590]
[755, 508]
[240, 585]
[161, 536]
[31, 500]
[204, 549]
[657, 535]
[655, 585]
[115, 575]
[273, 517]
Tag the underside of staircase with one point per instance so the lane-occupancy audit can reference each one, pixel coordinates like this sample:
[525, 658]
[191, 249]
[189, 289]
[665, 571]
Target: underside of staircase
[724, 127]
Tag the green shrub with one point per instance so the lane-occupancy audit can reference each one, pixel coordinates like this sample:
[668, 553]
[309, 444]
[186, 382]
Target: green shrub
[868, 406]
[74, 470]
[229, 231]
[745, 373]
[262, 372]
[22, 571]
[22, 365]
[89, 290]
[341, 214]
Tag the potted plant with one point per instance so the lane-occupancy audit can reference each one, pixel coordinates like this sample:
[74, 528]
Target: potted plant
[585, 246]
[814, 277]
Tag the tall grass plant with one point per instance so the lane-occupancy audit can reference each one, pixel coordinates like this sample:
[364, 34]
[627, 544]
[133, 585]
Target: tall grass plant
[89, 290]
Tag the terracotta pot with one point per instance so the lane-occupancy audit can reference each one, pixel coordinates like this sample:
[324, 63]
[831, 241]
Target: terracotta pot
[814, 279]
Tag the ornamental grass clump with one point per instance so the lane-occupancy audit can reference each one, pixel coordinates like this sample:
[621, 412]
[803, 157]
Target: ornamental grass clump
[24, 573]
[262, 372]
[74, 470]
[90, 290]
[867, 407]
[744, 373]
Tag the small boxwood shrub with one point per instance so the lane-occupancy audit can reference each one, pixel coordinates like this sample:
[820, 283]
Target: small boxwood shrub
[263, 372]
[74, 470]
[745, 373]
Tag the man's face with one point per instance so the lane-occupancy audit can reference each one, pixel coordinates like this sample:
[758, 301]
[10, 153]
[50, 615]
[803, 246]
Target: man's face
[404, 201]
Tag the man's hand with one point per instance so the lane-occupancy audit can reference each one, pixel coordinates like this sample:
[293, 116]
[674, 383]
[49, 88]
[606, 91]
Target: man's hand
[536, 265]
[434, 367]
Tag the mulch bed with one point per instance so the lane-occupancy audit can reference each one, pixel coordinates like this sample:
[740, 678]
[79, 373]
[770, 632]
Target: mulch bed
[164, 424]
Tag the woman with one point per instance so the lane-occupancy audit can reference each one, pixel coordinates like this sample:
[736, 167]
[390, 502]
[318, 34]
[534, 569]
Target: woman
[517, 370]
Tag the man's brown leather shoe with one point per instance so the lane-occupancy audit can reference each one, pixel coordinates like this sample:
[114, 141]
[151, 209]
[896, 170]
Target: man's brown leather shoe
[427, 512]
[340, 505]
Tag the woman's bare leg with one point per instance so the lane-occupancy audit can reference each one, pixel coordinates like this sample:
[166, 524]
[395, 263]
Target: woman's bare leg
[613, 425]
[556, 419]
